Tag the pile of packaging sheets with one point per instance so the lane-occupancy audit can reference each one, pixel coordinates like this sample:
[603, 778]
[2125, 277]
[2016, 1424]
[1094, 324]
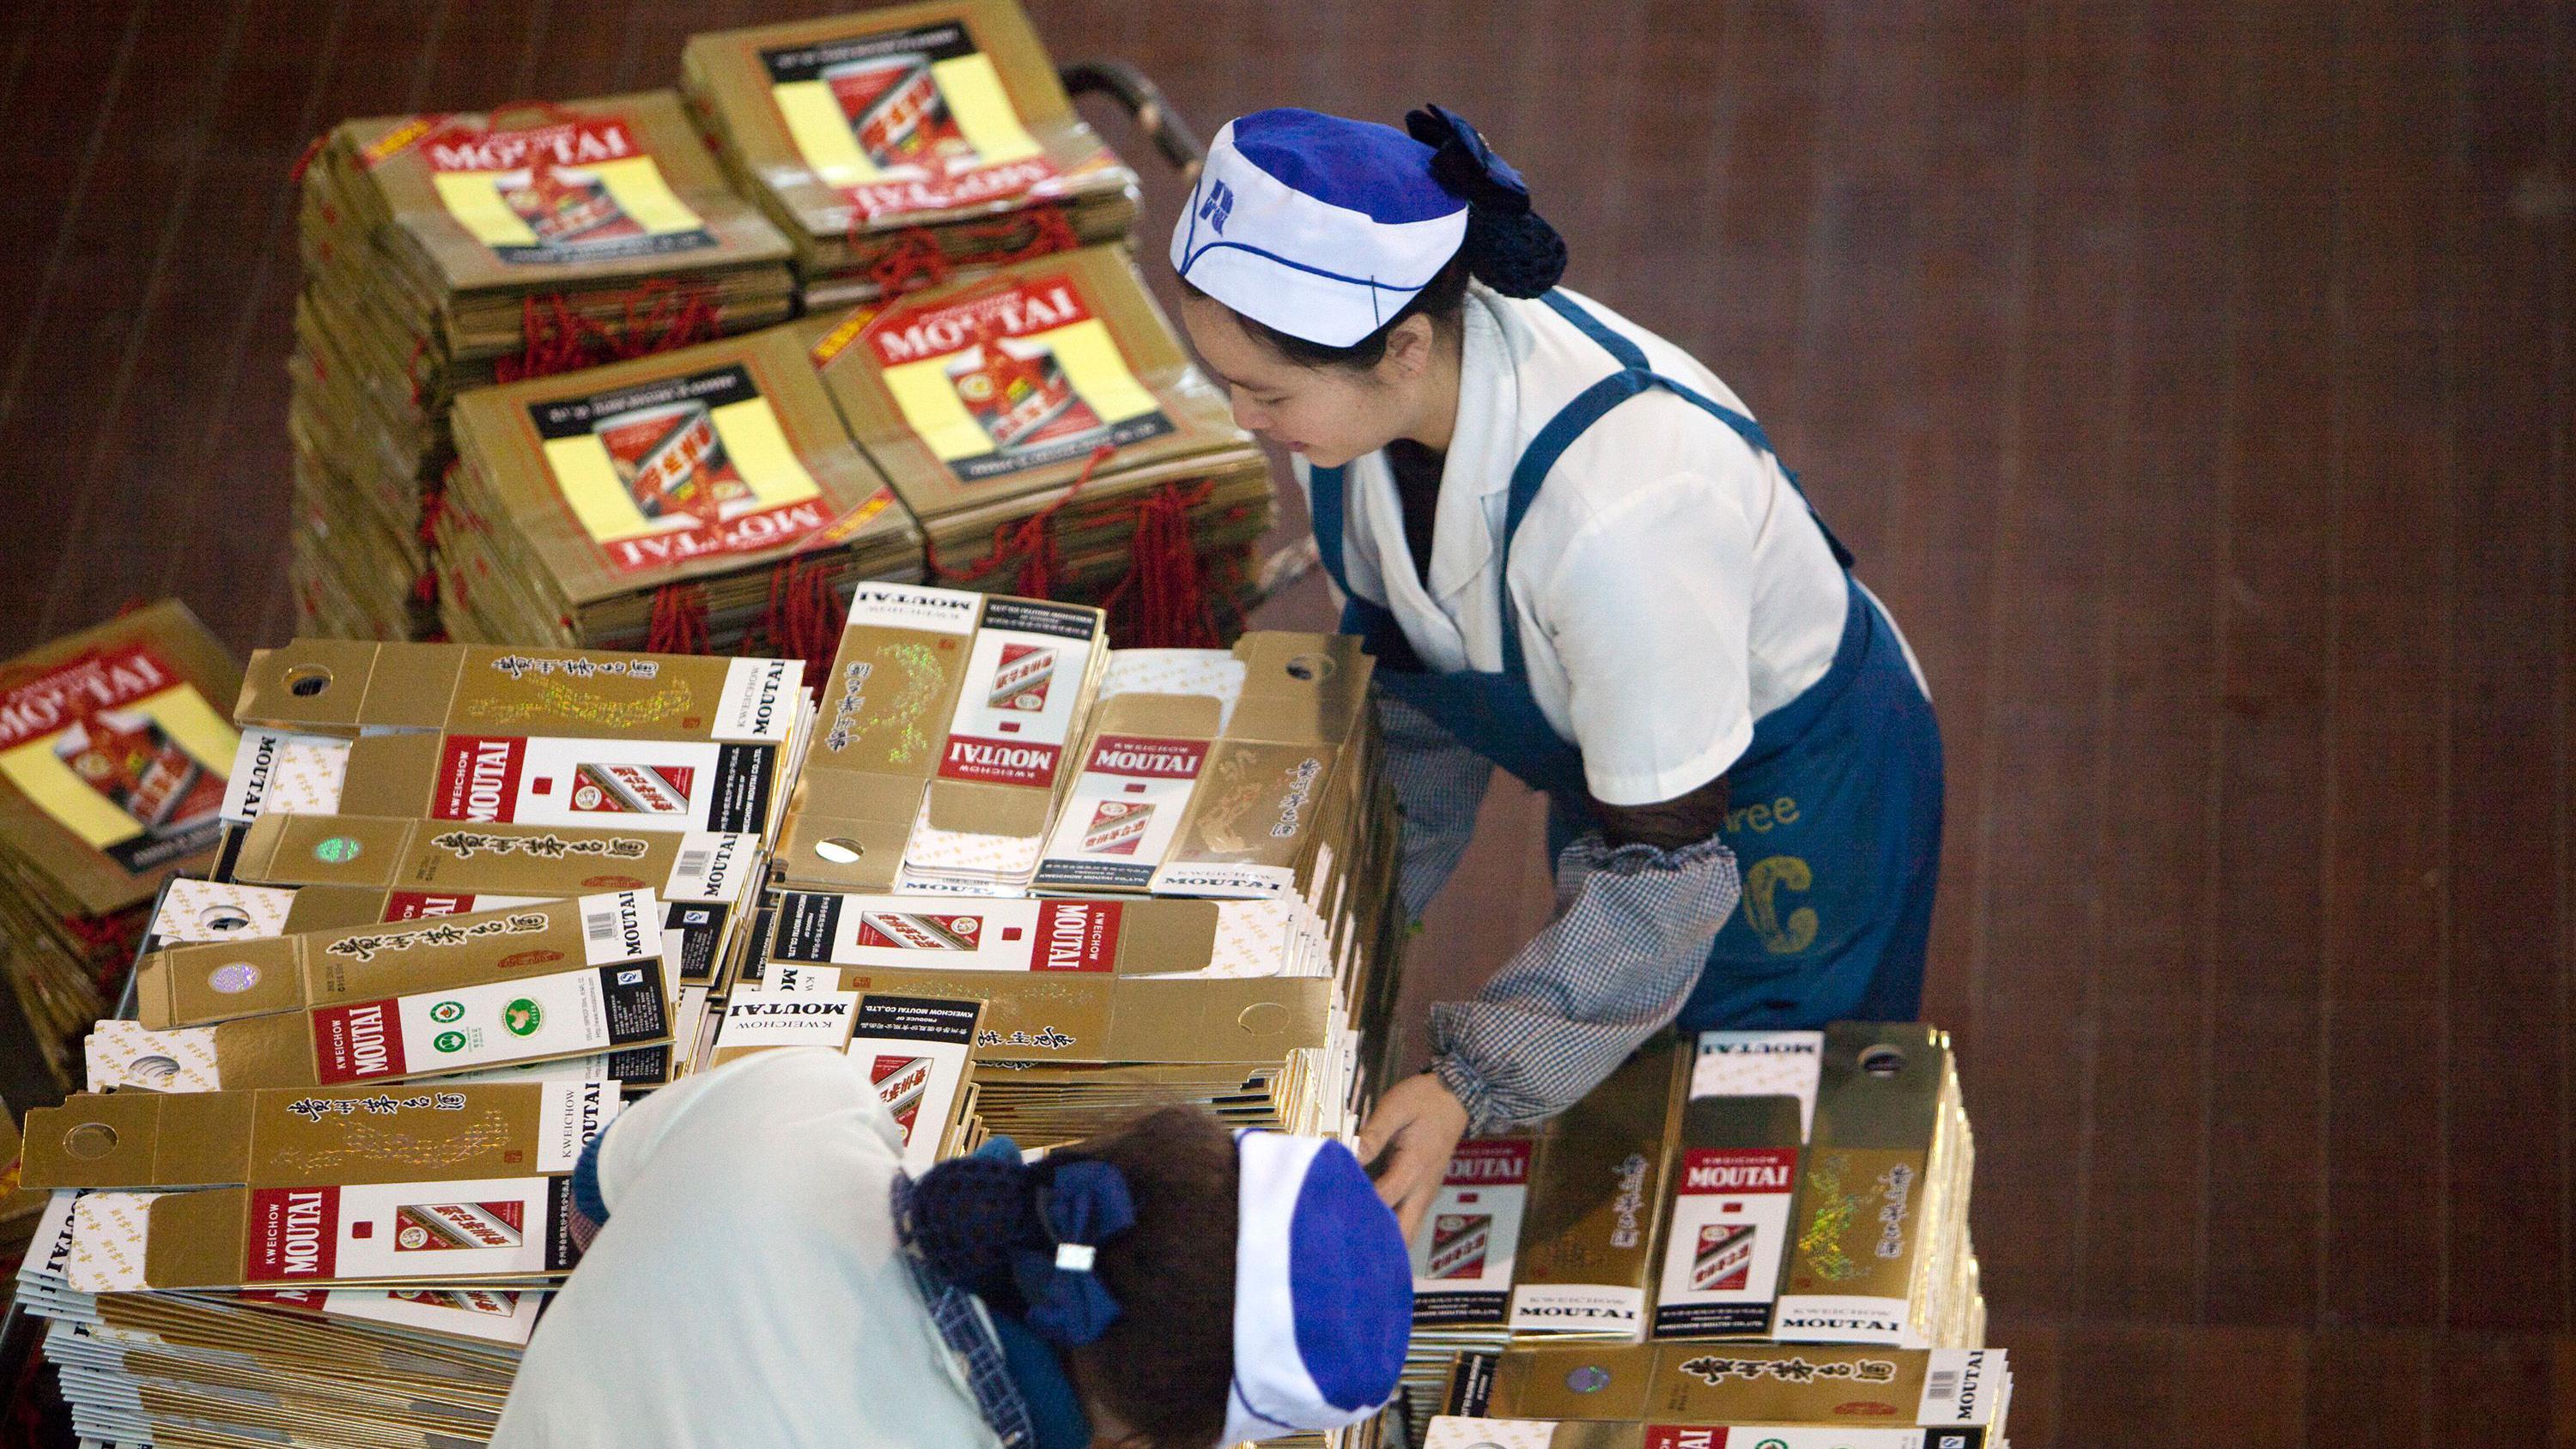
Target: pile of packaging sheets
[1046, 430]
[1164, 871]
[716, 479]
[113, 755]
[1034, 882]
[1758, 1231]
[920, 139]
[525, 412]
[444, 252]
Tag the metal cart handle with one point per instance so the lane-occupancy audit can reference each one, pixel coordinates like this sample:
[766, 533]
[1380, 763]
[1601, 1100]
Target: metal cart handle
[1143, 99]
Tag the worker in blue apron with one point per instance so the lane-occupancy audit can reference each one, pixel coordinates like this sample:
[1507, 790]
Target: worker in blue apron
[1575, 555]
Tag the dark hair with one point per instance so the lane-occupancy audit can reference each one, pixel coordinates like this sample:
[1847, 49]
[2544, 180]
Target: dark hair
[1508, 247]
[1166, 1364]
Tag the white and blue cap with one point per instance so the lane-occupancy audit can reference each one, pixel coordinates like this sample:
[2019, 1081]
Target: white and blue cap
[1315, 225]
[1323, 1290]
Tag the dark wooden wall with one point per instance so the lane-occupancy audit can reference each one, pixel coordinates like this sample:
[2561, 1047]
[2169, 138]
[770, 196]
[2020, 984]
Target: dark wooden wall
[2193, 380]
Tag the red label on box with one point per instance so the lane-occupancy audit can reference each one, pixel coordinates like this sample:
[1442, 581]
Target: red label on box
[415, 905]
[1149, 759]
[570, 143]
[1077, 936]
[1488, 1164]
[1684, 1436]
[1737, 1170]
[909, 334]
[942, 193]
[79, 687]
[354, 1043]
[478, 779]
[294, 1232]
[998, 762]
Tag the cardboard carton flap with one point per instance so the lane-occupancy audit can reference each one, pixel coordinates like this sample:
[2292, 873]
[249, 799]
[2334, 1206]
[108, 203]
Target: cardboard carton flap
[326, 686]
[136, 1139]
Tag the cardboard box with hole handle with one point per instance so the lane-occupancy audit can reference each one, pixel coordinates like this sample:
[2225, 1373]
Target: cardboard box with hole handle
[307, 1188]
[1090, 981]
[946, 715]
[355, 869]
[1740, 1384]
[494, 989]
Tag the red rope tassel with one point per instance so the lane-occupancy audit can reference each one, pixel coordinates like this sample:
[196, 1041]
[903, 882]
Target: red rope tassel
[1163, 602]
[1029, 542]
[679, 623]
[805, 616]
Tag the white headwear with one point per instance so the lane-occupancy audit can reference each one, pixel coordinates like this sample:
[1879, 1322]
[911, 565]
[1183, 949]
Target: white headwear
[1318, 226]
[1323, 1290]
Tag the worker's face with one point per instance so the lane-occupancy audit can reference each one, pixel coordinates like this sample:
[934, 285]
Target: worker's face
[1330, 415]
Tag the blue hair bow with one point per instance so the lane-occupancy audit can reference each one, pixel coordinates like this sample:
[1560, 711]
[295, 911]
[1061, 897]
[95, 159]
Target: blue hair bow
[1464, 164]
[1084, 1205]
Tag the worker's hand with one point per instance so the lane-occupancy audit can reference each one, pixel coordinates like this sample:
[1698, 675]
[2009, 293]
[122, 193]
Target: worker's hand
[1415, 1128]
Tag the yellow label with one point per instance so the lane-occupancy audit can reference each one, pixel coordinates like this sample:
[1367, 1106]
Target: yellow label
[41, 770]
[628, 197]
[1092, 364]
[828, 139]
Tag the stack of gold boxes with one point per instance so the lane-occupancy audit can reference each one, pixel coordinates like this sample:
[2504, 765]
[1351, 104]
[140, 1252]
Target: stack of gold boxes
[908, 143]
[706, 499]
[114, 752]
[1045, 428]
[1738, 1193]
[449, 251]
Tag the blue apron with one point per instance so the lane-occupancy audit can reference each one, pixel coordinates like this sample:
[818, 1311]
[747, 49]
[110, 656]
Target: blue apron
[1834, 810]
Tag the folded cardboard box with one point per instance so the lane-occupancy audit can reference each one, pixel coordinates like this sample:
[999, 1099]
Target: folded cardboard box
[113, 756]
[464, 1183]
[1745, 1384]
[941, 742]
[531, 984]
[867, 135]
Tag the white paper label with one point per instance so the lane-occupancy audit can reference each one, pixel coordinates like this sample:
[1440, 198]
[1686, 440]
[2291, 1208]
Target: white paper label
[914, 606]
[759, 701]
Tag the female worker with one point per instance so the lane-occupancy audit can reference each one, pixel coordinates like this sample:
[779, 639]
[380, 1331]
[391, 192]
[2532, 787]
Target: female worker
[1576, 556]
[760, 1273]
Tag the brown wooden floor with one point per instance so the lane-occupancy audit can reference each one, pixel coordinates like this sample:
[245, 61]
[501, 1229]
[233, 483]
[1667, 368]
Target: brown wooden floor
[2193, 380]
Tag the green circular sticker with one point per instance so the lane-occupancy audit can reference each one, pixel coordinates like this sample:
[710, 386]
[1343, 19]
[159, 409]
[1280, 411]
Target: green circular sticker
[447, 1011]
[338, 850]
[449, 1041]
[523, 1017]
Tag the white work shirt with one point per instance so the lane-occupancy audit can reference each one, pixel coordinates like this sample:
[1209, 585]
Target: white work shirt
[1670, 584]
[747, 1288]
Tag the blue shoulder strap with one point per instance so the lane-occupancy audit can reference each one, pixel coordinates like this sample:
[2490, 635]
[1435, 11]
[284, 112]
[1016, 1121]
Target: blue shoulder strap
[1633, 358]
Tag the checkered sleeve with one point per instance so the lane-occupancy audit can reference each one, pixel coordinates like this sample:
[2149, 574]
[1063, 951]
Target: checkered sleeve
[1633, 928]
[1439, 785]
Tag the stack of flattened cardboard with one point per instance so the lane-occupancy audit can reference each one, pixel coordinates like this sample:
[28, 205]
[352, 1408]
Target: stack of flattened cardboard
[113, 756]
[1236, 952]
[348, 1266]
[1669, 1396]
[1551, 1234]
[1047, 431]
[393, 783]
[716, 482]
[920, 138]
[1785, 1187]
[444, 252]
[635, 742]
[1096, 1007]
[552, 981]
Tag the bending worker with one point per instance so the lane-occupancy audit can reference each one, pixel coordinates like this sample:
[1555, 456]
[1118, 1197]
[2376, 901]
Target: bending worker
[1575, 555]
